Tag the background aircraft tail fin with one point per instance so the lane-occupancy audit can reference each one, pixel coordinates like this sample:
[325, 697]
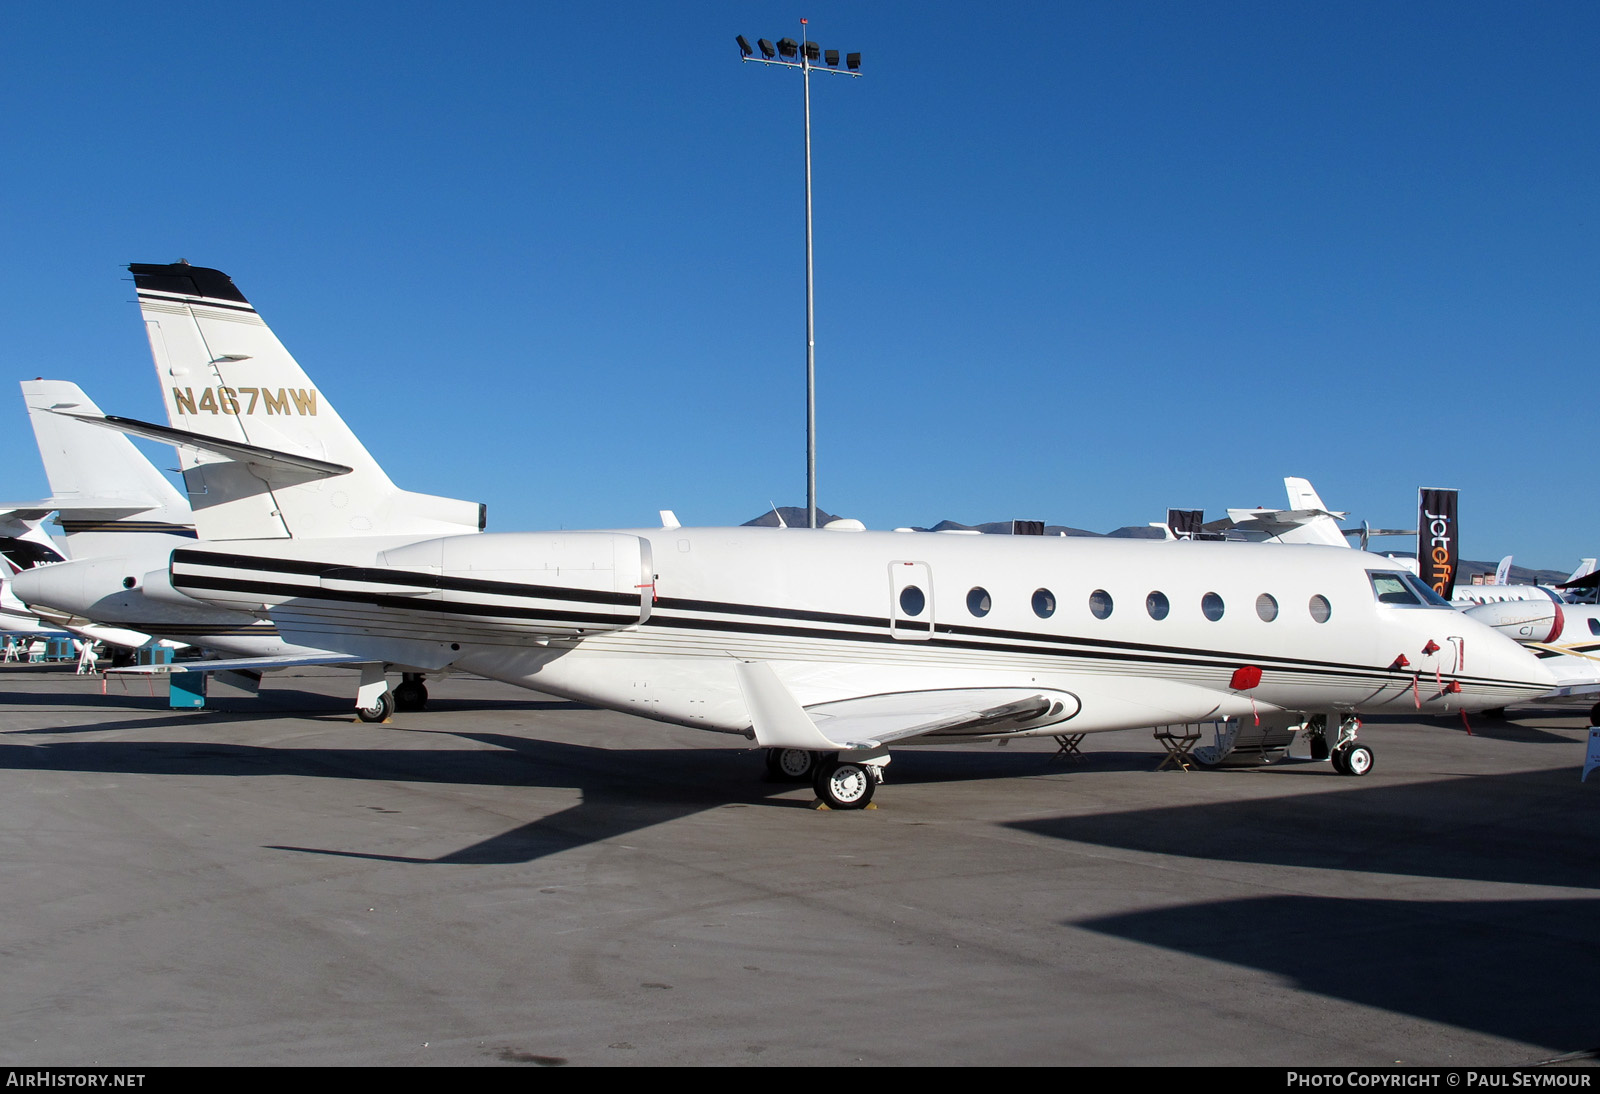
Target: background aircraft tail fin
[1502, 572]
[1302, 495]
[225, 375]
[103, 488]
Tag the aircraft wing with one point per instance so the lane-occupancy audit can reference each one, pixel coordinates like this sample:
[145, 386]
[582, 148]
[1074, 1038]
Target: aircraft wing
[245, 664]
[1577, 671]
[874, 721]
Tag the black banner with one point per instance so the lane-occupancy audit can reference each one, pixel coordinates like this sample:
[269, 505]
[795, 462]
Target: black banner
[1185, 523]
[1438, 539]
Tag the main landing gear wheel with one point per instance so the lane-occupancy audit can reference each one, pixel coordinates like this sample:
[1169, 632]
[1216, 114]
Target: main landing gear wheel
[790, 765]
[844, 785]
[1352, 760]
[412, 694]
[379, 711]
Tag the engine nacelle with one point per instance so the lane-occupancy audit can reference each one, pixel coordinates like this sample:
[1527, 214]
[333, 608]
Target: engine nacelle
[1527, 621]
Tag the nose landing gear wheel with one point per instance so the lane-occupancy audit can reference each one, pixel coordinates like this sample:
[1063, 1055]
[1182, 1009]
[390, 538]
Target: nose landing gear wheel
[844, 785]
[379, 711]
[790, 765]
[1352, 760]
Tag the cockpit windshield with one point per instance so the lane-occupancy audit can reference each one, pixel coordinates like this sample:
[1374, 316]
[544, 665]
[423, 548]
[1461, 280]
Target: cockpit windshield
[1404, 590]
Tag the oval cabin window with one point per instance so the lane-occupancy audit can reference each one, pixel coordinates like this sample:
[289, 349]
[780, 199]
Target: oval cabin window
[1044, 603]
[978, 602]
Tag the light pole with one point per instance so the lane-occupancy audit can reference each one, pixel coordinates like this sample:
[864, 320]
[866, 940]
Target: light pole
[788, 53]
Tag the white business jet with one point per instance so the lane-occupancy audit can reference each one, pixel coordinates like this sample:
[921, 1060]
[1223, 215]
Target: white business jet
[824, 646]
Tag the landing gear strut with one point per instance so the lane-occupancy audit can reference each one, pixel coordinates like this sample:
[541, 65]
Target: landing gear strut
[1347, 756]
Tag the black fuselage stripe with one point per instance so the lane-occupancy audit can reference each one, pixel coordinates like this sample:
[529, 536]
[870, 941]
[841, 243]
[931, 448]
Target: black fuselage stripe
[1196, 658]
[760, 611]
[399, 603]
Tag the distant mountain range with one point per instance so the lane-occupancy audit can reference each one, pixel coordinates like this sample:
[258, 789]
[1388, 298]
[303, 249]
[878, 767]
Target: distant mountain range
[796, 516]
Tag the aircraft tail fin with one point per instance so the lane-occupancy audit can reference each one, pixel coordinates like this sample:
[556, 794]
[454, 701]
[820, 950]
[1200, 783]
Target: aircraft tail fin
[225, 376]
[102, 487]
[1302, 495]
[1502, 572]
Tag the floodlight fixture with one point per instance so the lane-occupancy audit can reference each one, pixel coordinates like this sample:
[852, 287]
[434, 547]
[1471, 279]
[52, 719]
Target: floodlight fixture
[768, 50]
[788, 47]
[852, 61]
[744, 46]
[813, 51]
[832, 57]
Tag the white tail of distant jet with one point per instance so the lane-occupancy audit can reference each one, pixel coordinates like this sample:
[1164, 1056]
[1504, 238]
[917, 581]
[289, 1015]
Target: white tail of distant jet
[104, 488]
[1306, 520]
[264, 454]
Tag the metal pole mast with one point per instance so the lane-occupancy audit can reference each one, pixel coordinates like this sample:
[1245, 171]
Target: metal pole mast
[802, 53]
[811, 332]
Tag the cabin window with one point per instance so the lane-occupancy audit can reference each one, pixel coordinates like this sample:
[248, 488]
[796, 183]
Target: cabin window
[912, 600]
[1211, 605]
[978, 602]
[1157, 605]
[1320, 608]
[1267, 607]
[1044, 603]
[1100, 604]
[1594, 625]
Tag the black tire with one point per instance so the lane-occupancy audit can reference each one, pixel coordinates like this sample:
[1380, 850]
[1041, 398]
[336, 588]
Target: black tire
[790, 765]
[1336, 758]
[411, 695]
[1355, 760]
[844, 785]
[380, 711]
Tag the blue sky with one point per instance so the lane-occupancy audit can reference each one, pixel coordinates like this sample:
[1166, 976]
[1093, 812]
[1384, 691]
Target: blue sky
[1075, 261]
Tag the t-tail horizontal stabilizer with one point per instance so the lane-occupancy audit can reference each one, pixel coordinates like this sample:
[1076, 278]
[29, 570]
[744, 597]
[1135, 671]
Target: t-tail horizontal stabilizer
[226, 378]
[282, 466]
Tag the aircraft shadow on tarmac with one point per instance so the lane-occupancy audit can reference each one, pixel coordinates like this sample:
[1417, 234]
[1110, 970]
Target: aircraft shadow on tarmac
[1523, 828]
[1518, 969]
[1522, 725]
[623, 789]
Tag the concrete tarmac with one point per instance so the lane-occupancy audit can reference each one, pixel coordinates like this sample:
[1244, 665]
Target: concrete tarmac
[508, 880]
